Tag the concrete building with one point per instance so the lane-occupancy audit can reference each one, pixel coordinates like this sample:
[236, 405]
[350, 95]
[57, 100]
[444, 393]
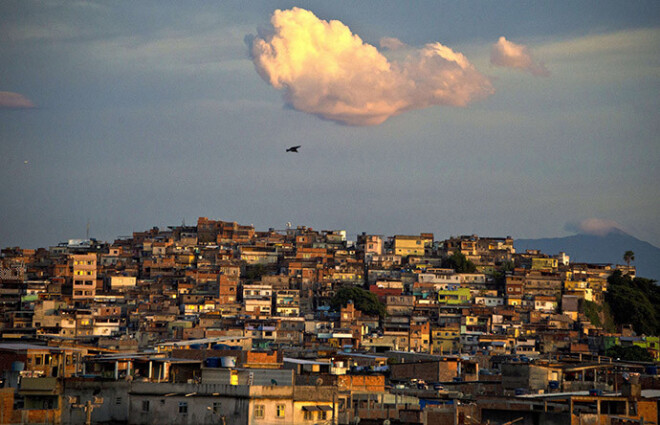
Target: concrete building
[84, 276]
[230, 404]
[412, 245]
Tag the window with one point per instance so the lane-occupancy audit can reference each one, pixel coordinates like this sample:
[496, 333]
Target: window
[145, 405]
[118, 401]
[259, 411]
[216, 407]
[280, 410]
[183, 407]
[308, 416]
[323, 415]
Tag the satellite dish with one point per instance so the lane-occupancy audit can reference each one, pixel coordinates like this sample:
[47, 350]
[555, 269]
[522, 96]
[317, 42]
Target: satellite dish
[386, 422]
[356, 420]
[319, 382]
[273, 382]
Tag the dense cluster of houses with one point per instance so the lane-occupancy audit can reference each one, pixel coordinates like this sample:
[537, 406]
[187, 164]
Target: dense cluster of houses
[221, 324]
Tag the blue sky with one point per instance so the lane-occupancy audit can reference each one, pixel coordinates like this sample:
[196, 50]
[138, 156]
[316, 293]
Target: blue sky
[137, 114]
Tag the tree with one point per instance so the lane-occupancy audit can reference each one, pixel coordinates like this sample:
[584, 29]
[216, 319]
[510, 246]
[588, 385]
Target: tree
[363, 300]
[459, 263]
[500, 274]
[635, 301]
[628, 256]
[632, 354]
[254, 272]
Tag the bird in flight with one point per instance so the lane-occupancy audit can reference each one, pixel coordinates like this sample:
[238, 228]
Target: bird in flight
[293, 149]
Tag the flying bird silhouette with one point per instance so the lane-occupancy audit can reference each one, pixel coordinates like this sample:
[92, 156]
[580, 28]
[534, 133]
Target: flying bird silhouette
[293, 149]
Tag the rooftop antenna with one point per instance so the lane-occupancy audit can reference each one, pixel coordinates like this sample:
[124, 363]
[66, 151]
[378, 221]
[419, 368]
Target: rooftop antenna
[87, 234]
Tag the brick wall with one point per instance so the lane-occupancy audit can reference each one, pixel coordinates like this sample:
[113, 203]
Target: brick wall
[371, 383]
[6, 405]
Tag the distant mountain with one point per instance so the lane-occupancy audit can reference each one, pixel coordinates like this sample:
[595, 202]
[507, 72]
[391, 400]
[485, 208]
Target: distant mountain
[600, 249]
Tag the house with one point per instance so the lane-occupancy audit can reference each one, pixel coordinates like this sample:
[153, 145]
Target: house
[455, 297]
[31, 360]
[545, 303]
[445, 339]
[432, 369]
[258, 255]
[84, 276]
[287, 303]
[370, 245]
[399, 304]
[420, 336]
[412, 245]
[258, 300]
[632, 406]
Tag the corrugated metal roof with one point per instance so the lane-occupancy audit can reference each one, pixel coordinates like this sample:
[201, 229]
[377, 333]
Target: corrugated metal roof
[302, 361]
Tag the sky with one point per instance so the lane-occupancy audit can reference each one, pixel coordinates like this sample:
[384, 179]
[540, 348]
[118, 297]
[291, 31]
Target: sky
[462, 117]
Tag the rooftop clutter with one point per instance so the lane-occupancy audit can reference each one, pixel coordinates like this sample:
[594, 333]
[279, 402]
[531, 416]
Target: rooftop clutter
[221, 322]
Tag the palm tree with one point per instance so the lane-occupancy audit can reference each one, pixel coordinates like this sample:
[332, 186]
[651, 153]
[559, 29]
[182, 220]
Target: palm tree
[628, 257]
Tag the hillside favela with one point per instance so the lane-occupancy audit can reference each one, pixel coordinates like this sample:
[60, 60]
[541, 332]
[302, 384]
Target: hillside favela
[222, 323]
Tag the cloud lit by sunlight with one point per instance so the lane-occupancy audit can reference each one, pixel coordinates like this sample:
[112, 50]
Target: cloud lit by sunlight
[511, 55]
[10, 100]
[391, 43]
[594, 226]
[326, 70]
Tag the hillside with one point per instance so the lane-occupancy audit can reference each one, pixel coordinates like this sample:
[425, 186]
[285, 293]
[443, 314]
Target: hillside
[600, 249]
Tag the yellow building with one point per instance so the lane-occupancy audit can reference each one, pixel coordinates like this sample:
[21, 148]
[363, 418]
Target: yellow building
[580, 288]
[445, 340]
[513, 301]
[544, 263]
[411, 245]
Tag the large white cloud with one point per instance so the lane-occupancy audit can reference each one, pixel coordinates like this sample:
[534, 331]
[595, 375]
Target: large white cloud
[10, 100]
[326, 70]
[511, 55]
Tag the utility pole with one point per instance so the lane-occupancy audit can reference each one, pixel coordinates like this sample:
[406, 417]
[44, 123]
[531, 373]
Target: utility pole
[334, 395]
